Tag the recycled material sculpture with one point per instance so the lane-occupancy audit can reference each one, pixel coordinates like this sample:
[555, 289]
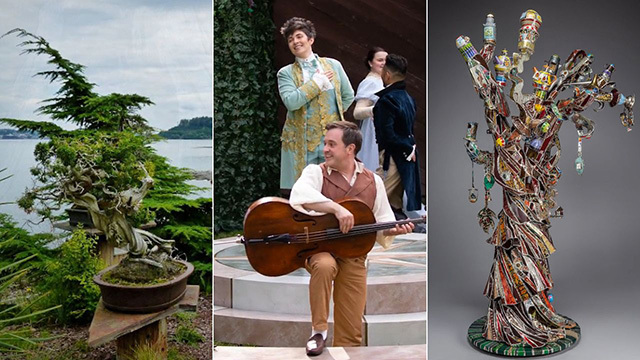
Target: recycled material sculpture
[524, 162]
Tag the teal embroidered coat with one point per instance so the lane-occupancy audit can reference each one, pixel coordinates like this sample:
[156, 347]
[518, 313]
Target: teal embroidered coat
[309, 110]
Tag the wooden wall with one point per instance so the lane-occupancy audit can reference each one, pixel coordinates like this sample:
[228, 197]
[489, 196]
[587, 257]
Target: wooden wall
[347, 29]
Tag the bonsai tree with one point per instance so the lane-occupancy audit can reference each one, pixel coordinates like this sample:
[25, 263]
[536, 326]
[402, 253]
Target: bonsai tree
[104, 165]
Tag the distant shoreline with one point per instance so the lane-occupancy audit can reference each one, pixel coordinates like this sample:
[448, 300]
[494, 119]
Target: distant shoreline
[163, 139]
[199, 128]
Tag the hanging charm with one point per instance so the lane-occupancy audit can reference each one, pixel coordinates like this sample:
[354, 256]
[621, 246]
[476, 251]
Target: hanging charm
[473, 192]
[486, 215]
[473, 195]
[579, 161]
[558, 213]
[488, 180]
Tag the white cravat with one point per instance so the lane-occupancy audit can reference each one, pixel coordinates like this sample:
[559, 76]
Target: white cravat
[318, 77]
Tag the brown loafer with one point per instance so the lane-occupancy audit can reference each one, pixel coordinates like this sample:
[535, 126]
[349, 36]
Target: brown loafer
[315, 345]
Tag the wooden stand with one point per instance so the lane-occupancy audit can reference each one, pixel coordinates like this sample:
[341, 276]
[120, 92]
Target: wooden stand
[153, 336]
[110, 254]
[134, 330]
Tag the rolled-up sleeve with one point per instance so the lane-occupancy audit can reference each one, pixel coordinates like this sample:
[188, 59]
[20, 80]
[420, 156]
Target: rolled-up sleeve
[308, 190]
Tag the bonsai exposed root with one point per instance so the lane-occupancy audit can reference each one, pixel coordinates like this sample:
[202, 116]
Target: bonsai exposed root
[147, 261]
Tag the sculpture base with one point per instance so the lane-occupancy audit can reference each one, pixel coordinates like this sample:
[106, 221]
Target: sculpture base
[474, 335]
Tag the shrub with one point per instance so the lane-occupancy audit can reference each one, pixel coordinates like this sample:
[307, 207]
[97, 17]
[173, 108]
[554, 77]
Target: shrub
[15, 338]
[20, 255]
[70, 279]
[17, 244]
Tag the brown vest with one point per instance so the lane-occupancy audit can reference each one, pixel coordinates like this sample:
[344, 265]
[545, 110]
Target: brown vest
[336, 187]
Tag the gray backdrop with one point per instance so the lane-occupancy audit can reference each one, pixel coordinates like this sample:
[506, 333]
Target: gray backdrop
[595, 267]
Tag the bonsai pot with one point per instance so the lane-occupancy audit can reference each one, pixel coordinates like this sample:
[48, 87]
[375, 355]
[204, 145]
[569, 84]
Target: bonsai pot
[140, 298]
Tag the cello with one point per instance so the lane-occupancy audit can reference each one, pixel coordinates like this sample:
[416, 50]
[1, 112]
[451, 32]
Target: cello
[278, 239]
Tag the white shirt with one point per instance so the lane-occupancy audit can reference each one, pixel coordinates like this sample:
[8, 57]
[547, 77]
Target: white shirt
[308, 190]
[318, 77]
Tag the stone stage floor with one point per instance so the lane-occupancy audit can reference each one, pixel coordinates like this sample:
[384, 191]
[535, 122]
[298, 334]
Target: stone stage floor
[250, 308]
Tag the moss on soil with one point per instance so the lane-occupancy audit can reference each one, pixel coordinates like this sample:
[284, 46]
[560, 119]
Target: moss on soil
[141, 274]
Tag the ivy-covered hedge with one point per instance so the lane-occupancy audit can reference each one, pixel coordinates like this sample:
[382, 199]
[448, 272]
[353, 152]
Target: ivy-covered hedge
[246, 136]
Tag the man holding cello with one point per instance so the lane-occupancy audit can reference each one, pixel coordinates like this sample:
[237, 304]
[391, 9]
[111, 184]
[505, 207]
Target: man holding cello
[341, 176]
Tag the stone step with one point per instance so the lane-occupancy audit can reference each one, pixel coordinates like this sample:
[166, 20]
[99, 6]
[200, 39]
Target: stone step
[291, 330]
[290, 294]
[410, 352]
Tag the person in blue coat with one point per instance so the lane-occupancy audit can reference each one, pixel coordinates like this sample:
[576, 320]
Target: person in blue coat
[394, 116]
[316, 91]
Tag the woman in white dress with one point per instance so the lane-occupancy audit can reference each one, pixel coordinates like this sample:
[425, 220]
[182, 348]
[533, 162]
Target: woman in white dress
[365, 100]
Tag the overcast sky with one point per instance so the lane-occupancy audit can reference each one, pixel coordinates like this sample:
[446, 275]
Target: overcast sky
[161, 49]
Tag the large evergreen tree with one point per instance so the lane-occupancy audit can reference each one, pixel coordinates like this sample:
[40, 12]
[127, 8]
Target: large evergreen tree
[105, 164]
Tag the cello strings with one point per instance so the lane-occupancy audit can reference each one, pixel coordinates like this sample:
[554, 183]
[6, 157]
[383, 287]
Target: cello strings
[361, 229]
[331, 234]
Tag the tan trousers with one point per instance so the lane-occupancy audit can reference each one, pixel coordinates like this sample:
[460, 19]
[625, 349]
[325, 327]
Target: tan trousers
[392, 182]
[349, 277]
